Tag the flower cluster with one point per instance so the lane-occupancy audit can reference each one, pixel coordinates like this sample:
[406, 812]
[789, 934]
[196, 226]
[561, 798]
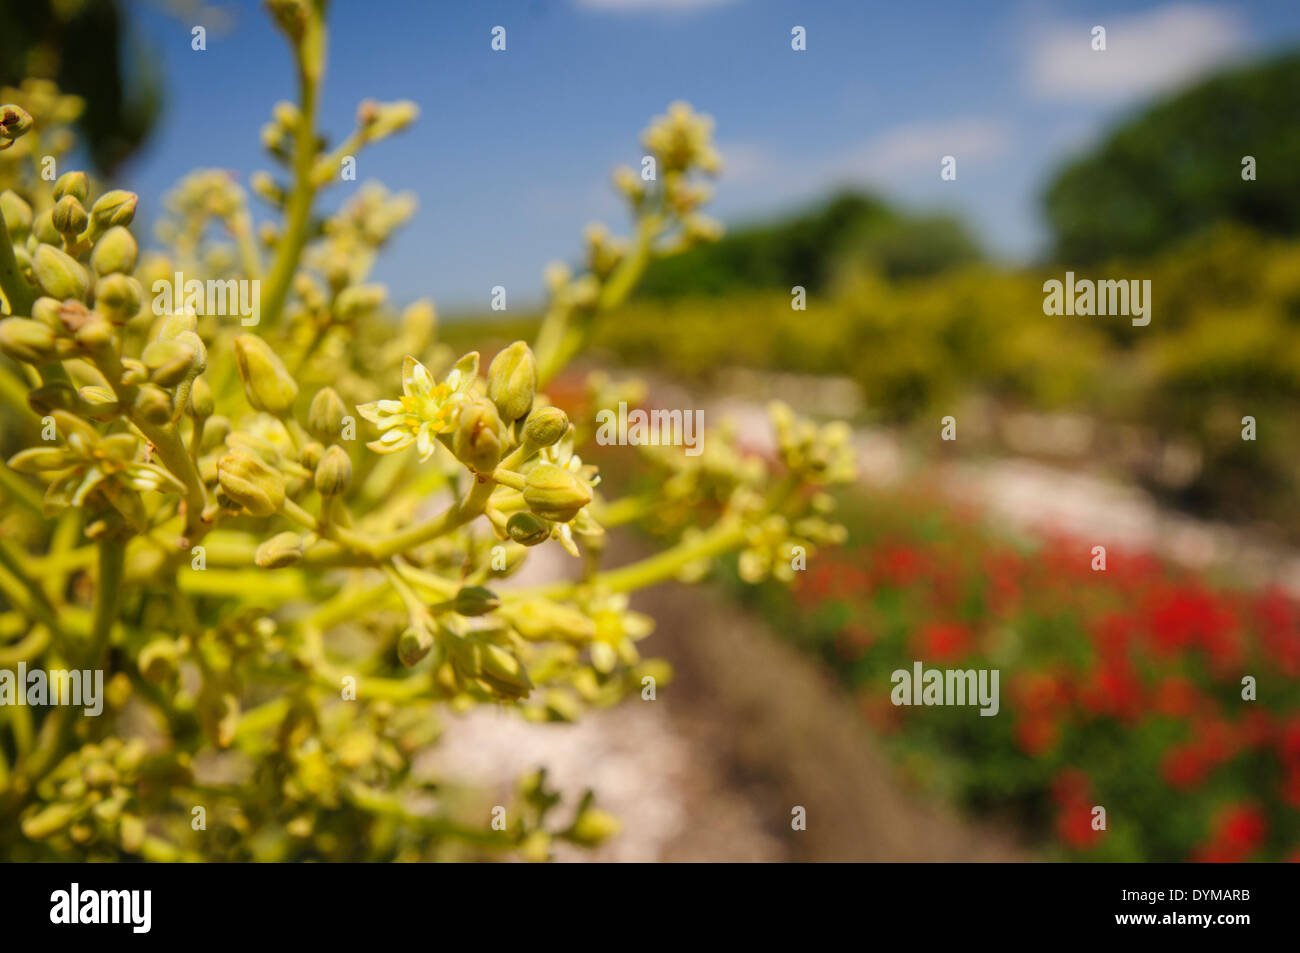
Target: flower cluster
[288, 568]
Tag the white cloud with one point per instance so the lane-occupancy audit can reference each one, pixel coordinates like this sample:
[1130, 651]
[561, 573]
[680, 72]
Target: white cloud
[636, 6]
[1145, 53]
[900, 161]
[902, 149]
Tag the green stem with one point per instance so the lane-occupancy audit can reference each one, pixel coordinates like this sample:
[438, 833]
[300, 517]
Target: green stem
[310, 53]
[17, 291]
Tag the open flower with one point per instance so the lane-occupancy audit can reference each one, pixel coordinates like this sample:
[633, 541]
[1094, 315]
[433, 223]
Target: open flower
[424, 410]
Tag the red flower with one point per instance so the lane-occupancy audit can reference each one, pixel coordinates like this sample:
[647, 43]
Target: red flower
[1176, 697]
[1114, 689]
[944, 642]
[1036, 734]
[1185, 767]
[1238, 832]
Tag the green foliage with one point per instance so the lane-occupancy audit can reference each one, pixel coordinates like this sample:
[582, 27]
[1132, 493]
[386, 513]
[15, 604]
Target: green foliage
[812, 248]
[1175, 168]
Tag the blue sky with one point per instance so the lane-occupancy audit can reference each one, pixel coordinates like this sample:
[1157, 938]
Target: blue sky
[511, 156]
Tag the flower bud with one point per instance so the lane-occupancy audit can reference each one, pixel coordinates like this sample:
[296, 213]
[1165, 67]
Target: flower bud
[593, 826]
[503, 672]
[46, 311]
[325, 415]
[477, 442]
[169, 362]
[74, 184]
[334, 472]
[554, 493]
[268, 385]
[118, 297]
[17, 214]
[527, 529]
[475, 600]
[26, 340]
[43, 229]
[414, 645]
[202, 404]
[281, 550]
[250, 483]
[153, 404]
[545, 426]
[95, 334]
[58, 274]
[310, 454]
[14, 122]
[68, 217]
[115, 252]
[512, 380]
[113, 208]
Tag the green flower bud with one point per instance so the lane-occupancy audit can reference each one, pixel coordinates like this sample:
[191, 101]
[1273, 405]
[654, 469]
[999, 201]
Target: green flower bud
[118, 297]
[74, 184]
[215, 433]
[503, 672]
[50, 820]
[98, 403]
[95, 334]
[169, 362]
[159, 660]
[475, 600]
[281, 550]
[113, 208]
[16, 213]
[512, 381]
[527, 529]
[593, 826]
[153, 404]
[268, 385]
[202, 404]
[334, 472]
[58, 273]
[310, 454]
[546, 426]
[14, 122]
[26, 340]
[325, 415]
[477, 442]
[43, 229]
[68, 217]
[414, 644]
[250, 483]
[554, 493]
[115, 252]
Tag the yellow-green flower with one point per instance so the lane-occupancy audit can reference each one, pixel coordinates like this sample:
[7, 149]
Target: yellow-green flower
[425, 408]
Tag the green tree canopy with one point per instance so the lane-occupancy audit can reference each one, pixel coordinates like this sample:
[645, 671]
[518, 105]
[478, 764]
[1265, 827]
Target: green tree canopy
[1176, 167]
[809, 249]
